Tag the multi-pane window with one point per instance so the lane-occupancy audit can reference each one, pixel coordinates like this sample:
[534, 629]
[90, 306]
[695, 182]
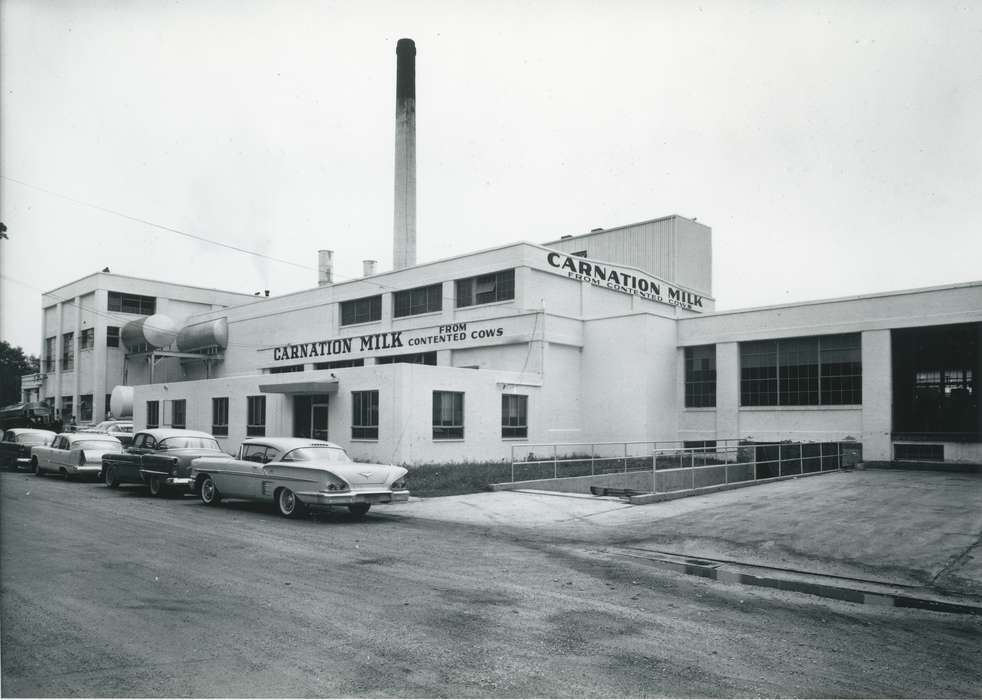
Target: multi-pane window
[67, 408]
[514, 416]
[219, 416]
[700, 376]
[112, 336]
[338, 364]
[153, 414]
[448, 415]
[284, 369]
[49, 354]
[255, 416]
[484, 289]
[364, 415]
[179, 410]
[87, 340]
[817, 371]
[132, 304]
[361, 310]
[418, 301]
[412, 358]
[67, 351]
[85, 408]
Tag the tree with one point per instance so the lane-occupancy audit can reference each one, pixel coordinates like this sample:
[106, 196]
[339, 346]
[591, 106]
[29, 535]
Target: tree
[13, 364]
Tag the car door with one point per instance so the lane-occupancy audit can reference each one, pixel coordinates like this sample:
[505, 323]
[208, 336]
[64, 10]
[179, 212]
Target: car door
[253, 461]
[51, 458]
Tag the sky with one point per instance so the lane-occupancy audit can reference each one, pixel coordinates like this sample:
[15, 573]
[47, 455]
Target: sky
[833, 147]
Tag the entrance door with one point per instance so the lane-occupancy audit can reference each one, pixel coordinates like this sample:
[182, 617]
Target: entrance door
[318, 421]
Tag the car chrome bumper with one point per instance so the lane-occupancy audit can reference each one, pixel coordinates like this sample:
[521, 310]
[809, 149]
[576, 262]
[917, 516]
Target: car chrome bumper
[168, 480]
[331, 498]
[85, 469]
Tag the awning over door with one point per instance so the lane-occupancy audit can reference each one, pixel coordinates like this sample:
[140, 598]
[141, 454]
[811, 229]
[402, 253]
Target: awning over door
[323, 386]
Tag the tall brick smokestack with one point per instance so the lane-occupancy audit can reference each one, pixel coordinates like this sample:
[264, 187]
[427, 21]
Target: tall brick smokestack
[404, 225]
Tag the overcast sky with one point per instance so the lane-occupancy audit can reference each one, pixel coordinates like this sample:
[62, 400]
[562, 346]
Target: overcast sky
[835, 148]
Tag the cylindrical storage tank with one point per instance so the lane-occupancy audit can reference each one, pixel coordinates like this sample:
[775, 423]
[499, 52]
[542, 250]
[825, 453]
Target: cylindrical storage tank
[203, 335]
[157, 331]
[121, 402]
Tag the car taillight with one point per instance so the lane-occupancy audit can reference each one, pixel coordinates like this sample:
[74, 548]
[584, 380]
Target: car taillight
[399, 483]
[335, 484]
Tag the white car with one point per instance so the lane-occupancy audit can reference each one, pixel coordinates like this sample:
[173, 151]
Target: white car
[294, 473]
[73, 454]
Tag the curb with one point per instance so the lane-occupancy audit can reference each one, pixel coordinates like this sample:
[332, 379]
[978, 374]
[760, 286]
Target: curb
[834, 587]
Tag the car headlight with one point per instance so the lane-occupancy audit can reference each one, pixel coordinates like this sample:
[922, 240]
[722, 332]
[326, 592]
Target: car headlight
[399, 483]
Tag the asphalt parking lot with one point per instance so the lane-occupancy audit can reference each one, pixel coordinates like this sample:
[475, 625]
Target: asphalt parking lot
[116, 594]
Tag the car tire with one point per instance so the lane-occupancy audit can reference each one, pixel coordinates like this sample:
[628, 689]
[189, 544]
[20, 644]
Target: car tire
[359, 509]
[109, 477]
[36, 466]
[209, 492]
[155, 486]
[287, 503]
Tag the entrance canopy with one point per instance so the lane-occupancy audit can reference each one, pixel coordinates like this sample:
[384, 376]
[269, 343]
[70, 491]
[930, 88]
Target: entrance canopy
[323, 386]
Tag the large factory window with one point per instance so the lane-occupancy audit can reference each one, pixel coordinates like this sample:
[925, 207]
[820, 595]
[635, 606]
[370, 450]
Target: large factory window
[412, 358]
[67, 352]
[112, 336]
[284, 369]
[219, 416]
[420, 300]
[700, 376]
[448, 415]
[179, 412]
[361, 310]
[132, 304]
[49, 354]
[484, 289]
[364, 415]
[67, 411]
[514, 416]
[338, 364]
[153, 414]
[87, 340]
[817, 371]
[255, 416]
[85, 408]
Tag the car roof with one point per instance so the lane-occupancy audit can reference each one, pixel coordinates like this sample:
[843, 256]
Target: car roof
[289, 443]
[25, 431]
[88, 435]
[163, 433]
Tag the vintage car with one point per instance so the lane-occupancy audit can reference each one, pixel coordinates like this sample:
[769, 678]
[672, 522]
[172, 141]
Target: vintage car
[73, 454]
[15, 448]
[294, 473]
[120, 429]
[160, 458]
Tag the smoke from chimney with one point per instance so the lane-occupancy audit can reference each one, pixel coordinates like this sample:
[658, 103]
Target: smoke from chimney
[404, 224]
[325, 267]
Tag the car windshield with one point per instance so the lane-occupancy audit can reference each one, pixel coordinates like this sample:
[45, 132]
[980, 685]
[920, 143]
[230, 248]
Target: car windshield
[317, 453]
[96, 445]
[176, 443]
[33, 439]
[123, 428]
[103, 426]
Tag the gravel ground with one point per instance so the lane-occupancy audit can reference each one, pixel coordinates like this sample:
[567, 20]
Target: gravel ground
[111, 593]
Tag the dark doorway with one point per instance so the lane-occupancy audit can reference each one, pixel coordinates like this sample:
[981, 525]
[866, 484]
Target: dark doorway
[935, 383]
[310, 414]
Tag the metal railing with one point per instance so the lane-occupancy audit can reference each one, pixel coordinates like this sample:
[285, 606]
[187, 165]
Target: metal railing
[676, 467]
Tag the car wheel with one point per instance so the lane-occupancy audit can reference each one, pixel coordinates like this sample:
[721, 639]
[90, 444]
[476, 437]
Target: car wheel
[109, 477]
[155, 485]
[209, 492]
[359, 508]
[36, 467]
[287, 504]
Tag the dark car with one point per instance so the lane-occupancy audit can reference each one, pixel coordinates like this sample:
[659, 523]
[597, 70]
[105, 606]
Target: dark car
[160, 458]
[15, 448]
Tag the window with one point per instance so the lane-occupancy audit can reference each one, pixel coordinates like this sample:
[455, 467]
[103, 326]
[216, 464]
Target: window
[364, 415]
[179, 413]
[413, 358]
[153, 414]
[448, 415]
[87, 339]
[67, 352]
[112, 336]
[132, 304]
[418, 301]
[255, 416]
[67, 408]
[285, 369]
[85, 408]
[700, 377]
[254, 453]
[338, 364]
[514, 416]
[107, 407]
[361, 310]
[49, 354]
[818, 371]
[484, 289]
[219, 416]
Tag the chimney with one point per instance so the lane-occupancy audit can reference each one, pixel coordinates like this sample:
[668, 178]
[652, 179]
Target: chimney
[368, 267]
[404, 212]
[325, 267]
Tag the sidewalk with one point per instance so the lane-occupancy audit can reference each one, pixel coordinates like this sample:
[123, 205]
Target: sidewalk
[906, 528]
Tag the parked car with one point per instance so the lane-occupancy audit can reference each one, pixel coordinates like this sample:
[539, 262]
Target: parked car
[160, 458]
[294, 473]
[73, 454]
[119, 429]
[15, 448]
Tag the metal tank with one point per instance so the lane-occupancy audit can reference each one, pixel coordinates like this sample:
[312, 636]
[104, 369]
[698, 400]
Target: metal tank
[157, 331]
[121, 402]
[203, 335]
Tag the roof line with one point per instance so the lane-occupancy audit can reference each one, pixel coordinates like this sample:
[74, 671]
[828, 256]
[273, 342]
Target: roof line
[149, 279]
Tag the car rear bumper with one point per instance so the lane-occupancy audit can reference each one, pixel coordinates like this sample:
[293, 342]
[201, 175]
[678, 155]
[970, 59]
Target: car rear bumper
[85, 469]
[328, 498]
[168, 480]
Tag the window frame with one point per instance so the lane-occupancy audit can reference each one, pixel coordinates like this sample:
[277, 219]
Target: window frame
[126, 303]
[112, 336]
[351, 313]
[179, 408]
[155, 405]
[256, 428]
[448, 430]
[364, 418]
[431, 302]
[700, 383]
[218, 428]
[68, 351]
[466, 292]
[86, 339]
[517, 424]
